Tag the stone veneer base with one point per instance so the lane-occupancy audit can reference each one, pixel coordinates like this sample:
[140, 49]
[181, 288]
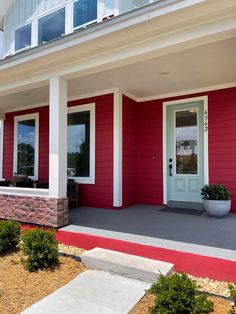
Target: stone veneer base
[51, 212]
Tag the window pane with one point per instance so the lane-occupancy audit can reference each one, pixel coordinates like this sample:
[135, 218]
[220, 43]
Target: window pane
[51, 26]
[186, 142]
[26, 147]
[78, 141]
[23, 37]
[84, 12]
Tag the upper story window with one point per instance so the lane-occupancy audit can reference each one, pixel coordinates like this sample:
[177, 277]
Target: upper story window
[51, 26]
[85, 11]
[23, 37]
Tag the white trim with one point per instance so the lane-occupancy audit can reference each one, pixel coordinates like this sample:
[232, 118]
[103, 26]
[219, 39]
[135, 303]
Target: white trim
[164, 144]
[117, 150]
[33, 116]
[24, 191]
[206, 149]
[186, 92]
[91, 108]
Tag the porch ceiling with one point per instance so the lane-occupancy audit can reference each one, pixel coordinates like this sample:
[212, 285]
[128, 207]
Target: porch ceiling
[192, 69]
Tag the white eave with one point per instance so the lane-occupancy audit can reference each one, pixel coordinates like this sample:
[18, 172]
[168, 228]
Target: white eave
[141, 33]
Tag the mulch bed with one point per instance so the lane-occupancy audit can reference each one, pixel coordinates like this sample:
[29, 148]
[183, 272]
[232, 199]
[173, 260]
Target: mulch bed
[20, 289]
[221, 306]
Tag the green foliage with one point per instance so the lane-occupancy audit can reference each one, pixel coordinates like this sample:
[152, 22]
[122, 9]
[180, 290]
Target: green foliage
[178, 295]
[9, 235]
[41, 249]
[232, 290]
[215, 192]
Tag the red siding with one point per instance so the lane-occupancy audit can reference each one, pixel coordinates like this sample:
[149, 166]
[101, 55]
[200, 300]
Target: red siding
[147, 180]
[99, 194]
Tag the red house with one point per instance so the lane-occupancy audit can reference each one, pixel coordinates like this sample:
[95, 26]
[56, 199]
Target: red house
[134, 100]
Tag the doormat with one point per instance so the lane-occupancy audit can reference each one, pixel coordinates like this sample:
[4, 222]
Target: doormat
[186, 211]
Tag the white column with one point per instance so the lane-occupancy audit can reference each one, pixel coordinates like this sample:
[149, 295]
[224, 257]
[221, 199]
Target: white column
[117, 171]
[58, 137]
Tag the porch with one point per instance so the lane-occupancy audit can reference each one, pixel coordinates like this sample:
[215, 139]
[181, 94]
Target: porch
[199, 245]
[123, 89]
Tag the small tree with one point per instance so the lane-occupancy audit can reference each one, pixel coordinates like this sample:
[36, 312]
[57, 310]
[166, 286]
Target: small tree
[41, 249]
[9, 235]
[178, 295]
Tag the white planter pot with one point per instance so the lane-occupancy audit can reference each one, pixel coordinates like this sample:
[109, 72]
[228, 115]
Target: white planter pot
[217, 208]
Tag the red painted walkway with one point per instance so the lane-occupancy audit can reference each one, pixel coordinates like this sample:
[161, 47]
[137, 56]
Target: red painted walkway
[194, 264]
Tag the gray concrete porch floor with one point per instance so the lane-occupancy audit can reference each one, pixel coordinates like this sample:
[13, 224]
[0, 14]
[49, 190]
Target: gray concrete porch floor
[144, 224]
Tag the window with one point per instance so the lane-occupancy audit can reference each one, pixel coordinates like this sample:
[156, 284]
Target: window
[85, 11]
[23, 37]
[26, 145]
[51, 26]
[80, 143]
[186, 146]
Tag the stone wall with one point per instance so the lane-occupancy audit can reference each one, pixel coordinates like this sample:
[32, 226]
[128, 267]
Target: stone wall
[51, 212]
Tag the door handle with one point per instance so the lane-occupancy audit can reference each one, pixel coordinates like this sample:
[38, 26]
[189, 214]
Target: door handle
[170, 170]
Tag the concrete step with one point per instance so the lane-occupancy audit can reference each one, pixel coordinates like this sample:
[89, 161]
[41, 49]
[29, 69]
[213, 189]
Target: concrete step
[131, 266]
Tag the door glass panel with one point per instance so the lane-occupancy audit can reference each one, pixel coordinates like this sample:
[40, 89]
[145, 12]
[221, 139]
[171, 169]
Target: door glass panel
[186, 143]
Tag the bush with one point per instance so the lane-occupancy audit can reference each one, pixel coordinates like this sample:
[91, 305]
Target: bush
[41, 249]
[9, 235]
[217, 192]
[232, 290]
[178, 295]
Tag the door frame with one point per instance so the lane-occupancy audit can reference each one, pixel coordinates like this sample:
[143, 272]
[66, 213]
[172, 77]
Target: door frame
[164, 139]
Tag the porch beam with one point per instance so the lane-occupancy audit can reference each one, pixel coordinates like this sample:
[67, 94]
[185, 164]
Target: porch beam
[58, 137]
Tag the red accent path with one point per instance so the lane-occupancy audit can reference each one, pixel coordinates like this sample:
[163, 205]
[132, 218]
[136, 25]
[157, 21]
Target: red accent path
[194, 264]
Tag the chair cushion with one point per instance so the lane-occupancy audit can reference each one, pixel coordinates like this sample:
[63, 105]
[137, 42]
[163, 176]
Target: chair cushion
[19, 178]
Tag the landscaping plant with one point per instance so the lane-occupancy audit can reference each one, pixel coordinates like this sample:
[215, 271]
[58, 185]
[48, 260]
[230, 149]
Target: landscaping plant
[232, 289]
[41, 249]
[178, 295]
[217, 192]
[9, 235]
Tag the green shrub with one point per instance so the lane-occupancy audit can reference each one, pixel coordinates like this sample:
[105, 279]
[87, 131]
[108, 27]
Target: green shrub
[9, 235]
[41, 249]
[232, 290]
[217, 192]
[178, 295]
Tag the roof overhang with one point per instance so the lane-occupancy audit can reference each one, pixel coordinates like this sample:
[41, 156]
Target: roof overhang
[200, 35]
[4, 5]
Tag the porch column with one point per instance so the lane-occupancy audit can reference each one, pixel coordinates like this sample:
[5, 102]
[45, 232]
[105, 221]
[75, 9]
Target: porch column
[117, 150]
[58, 138]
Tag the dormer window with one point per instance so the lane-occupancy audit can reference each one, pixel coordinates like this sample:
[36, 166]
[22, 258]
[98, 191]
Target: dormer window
[51, 26]
[23, 37]
[85, 12]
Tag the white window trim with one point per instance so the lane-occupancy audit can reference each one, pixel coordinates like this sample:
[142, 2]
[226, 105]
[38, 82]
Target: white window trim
[69, 20]
[17, 119]
[91, 108]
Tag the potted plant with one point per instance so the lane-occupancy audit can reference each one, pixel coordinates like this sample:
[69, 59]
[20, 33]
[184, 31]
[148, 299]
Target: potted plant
[216, 199]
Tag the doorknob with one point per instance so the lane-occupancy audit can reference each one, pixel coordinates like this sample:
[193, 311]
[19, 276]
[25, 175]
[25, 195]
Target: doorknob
[170, 170]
